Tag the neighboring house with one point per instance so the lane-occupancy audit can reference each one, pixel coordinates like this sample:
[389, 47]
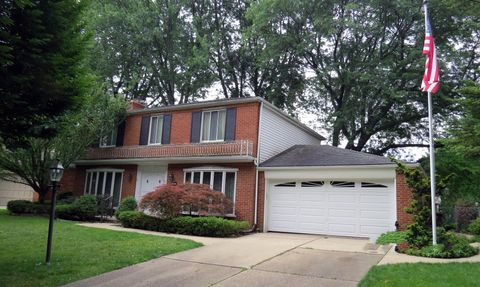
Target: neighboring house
[15, 191]
[270, 165]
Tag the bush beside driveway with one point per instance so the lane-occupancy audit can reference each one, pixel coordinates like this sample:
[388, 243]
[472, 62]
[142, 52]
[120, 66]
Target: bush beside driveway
[78, 252]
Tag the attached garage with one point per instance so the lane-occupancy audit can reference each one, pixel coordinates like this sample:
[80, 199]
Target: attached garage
[13, 191]
[331, 191]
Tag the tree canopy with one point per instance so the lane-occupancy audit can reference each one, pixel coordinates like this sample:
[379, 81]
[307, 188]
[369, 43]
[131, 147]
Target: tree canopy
[356, 64]
[77, 131]
[42, 64]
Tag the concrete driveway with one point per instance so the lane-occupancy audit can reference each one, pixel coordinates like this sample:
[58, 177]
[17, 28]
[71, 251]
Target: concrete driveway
[262, 259]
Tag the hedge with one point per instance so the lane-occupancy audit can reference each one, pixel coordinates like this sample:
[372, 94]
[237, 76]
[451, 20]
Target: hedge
[82, 208]
[200, 226]
[27, 207]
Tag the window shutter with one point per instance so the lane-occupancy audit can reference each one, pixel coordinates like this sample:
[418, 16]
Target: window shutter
[120, 134]
[167, 124]
[144, 130]
[195, 127]
[230, 124]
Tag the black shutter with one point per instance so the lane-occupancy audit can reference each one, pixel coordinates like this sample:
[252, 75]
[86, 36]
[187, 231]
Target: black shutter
[230, 124]
[144, 130]
[195, 127]
[167, 124]
[120, 134]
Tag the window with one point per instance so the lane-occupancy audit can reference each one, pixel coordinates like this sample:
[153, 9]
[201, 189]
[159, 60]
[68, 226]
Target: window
[213, 125]
[286, 184]
[222, 180]
[156, 129]
[342, 183]
[104, 182]
[373, 185]
[312, 183]
[110, 139]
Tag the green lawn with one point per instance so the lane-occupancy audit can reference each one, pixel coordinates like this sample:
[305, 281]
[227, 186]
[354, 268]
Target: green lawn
[423, 274]
[78, 252]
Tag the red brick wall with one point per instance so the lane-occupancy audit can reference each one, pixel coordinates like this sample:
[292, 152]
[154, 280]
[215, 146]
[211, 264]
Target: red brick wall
[246, 128]
[261, 200]
[245, 191]
[74, 179]
[404, 197]
[132, 130]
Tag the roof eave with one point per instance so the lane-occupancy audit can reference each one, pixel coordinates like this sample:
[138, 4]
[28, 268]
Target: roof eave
[362, 166]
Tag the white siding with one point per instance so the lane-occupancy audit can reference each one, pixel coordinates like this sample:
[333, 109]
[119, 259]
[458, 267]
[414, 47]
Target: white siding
[278, 134]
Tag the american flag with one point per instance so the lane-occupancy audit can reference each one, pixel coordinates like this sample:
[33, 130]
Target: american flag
[430, 80]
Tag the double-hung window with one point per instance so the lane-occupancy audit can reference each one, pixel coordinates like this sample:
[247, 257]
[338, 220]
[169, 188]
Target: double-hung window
[110, 139]
[219, 179]
[156, 130]
[104, 182]
[213, 125]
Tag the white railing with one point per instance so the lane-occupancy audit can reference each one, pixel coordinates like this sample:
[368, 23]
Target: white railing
[233, 148]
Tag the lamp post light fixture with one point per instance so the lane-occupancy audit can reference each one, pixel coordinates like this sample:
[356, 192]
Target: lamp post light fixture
[56, 173]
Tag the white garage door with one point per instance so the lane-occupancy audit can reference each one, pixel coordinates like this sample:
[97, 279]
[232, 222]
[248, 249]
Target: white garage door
[347, 208]
[13, 191]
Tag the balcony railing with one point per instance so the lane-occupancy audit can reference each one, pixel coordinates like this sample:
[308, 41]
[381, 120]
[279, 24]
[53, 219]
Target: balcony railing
[234, 148]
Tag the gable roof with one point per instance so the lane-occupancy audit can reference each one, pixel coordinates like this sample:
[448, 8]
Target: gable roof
[227, 102]
[323, 155]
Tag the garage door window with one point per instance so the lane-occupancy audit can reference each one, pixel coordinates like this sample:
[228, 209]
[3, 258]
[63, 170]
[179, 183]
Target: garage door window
[343, 184]
[105, 183]
[373, 185]
[286, 184]
[312, 183]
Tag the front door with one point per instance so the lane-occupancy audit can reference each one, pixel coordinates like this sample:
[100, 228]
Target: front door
[149, 178]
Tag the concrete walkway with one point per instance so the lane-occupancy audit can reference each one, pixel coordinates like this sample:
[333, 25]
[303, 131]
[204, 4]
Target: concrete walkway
[261, 259]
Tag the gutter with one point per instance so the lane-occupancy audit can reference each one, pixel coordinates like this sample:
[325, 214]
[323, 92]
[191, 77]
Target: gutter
[266, 168]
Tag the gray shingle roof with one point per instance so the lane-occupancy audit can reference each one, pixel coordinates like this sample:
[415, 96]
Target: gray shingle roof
[322, 155]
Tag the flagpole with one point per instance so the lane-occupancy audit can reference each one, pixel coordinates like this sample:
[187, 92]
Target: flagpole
[432, 153]
[432, 170]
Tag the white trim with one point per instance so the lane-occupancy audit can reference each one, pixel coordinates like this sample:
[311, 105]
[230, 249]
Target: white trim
[386, 166]
[105, 169]
[150, 129]
[210, 125]
[169, 160]
[211, 168]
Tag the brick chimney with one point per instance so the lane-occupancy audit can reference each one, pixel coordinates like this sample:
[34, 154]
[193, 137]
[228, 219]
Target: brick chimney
[135, 105]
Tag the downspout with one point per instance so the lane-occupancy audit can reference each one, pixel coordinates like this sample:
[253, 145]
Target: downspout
[255, 219]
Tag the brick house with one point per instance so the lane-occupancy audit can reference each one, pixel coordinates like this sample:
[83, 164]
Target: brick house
[273, 167]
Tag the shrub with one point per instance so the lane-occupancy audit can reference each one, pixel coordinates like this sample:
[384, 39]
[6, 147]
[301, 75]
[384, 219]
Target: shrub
[27, 207]
[65, 198]
[199, 198]
[474, 227]
[465, 213]
[127, 204]
[392, 237]
[165, 202]
[83, 208]
[200, 226]
[449, 245]
[168, 201]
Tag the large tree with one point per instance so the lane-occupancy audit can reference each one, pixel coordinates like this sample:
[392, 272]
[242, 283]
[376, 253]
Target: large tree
[149, 50]
[363, 61]
[77, 130]
[240, 59]
[42, 67]
[459, 156]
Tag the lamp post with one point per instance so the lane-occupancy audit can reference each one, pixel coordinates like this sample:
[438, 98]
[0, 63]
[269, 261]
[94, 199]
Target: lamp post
[56, 172]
